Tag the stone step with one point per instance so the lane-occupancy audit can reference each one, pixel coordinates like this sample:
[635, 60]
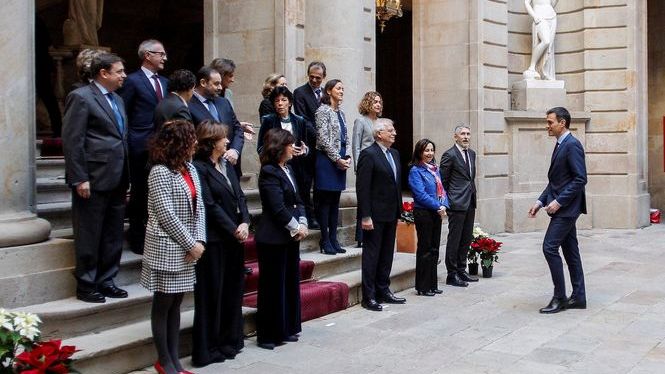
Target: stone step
[59, 214]
[126, 348]
[49, 277]
[48, 167]
[53, 190]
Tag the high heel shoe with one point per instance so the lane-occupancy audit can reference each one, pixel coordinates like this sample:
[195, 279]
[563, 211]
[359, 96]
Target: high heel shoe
[159, 368]
[327, 248]
[337, 247]
[436, 291]
[425, 293]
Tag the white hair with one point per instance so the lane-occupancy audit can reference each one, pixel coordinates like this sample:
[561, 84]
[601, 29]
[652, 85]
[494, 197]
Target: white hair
[380, 125]
[147, 45]
[461, 126]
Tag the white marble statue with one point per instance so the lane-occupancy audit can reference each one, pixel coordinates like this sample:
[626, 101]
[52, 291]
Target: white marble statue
[543, 33]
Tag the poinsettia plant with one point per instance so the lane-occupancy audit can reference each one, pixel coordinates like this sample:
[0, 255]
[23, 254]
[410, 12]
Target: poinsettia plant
[487, 248]
[472, 254]
[407, 212]
[47, 357]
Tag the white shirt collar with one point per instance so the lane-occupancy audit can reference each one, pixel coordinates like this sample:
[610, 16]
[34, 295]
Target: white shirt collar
[562, 137]
[101, 88]
[201, 98]
[147, 72]
[460, 148]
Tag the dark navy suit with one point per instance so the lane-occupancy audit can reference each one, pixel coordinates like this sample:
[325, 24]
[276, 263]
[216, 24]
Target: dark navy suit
[567, 178]
[227, 116]
[140, 101]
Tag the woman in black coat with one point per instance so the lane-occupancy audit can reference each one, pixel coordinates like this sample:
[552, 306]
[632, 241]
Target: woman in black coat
[281, 228]
[218, 323]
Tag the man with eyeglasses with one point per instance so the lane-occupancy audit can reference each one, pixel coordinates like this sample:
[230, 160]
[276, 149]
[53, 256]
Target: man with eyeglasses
[142, 91]
[306, 100]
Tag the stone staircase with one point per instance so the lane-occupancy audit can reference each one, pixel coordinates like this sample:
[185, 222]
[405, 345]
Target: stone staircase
[115, 337]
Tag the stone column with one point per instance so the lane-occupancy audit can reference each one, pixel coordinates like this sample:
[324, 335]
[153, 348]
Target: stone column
[18, 223]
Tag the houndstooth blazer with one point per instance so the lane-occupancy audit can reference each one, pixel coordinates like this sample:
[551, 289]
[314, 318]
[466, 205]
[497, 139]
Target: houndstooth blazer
[328, 136]
[173, 225]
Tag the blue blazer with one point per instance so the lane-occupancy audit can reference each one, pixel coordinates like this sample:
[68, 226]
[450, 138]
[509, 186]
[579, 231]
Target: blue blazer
[423, 187]
[227, 116]
[567, 178]
[140, 102]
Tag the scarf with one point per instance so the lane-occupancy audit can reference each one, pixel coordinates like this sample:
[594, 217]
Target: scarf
[434, 170]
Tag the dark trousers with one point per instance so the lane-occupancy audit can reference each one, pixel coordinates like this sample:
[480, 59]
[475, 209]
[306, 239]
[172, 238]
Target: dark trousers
[137, 209]
[304, 180]
[561, 232]
[428, 230]
[98, 232]
[327, 213]
[377, 258]
[278, 314]
[218, 322]
[460, 235]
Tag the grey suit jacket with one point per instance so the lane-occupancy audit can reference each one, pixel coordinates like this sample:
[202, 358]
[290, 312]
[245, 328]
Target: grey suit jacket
[457, 180]
[363, 137]
[95, 149]
[175, 223]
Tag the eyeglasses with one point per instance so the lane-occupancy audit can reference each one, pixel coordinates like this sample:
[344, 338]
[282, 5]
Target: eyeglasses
[161, 54]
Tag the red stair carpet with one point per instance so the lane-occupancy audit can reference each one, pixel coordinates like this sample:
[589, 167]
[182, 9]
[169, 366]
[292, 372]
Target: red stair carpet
[317, 298]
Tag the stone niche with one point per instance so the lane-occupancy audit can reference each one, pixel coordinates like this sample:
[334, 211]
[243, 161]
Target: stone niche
[530, 153]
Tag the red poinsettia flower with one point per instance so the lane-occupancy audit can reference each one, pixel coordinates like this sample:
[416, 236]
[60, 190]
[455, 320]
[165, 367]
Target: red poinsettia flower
[407, 206]
[46, 358]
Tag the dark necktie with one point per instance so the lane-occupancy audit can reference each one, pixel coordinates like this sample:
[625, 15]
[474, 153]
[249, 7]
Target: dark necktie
[556, 146]
[158, 88]
[317, 93]
[116, 112]
[391, 162]
[466, 161]
[213, 109]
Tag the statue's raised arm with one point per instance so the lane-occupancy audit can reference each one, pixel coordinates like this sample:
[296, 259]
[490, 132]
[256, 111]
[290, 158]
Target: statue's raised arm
[543, 31]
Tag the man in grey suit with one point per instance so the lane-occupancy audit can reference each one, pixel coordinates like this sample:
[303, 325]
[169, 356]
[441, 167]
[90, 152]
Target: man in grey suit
[458, 174]
[94, 141]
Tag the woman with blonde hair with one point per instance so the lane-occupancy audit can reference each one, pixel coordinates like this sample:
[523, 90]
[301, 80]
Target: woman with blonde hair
[273, 80]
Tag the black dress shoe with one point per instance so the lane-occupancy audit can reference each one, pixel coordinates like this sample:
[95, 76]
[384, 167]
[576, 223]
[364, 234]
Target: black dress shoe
[90, 296]
[454, 280]
[337, 246]
[291, 338]
[576, 303]
[436, 291]
[228, 352]
[327, 248]
[556, 305]
[269, 346]
[113, 292]
[371, 304]
[389, 298]
[426, 293]
[466, 277]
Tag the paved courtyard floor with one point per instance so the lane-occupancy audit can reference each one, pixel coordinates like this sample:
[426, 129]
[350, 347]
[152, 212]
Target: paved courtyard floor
[493, 326]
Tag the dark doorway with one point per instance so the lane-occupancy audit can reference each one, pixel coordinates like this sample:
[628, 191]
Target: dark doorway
[656, 77]
[125, 23]
[394, 81]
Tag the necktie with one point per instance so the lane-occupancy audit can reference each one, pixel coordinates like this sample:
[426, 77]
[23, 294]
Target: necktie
[158, 88]
[317, 93]
[213, 109]
[466, 160]
[116, 112]
[391, 162]
[556, 146]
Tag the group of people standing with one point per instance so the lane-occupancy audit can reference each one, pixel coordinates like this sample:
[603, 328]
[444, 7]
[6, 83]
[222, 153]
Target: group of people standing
[178, 143]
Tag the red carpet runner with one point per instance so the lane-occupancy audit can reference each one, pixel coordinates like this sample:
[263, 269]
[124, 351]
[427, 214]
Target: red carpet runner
[317, 298]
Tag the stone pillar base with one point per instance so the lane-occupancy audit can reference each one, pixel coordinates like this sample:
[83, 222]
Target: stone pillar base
[537, 95]
[22, 229]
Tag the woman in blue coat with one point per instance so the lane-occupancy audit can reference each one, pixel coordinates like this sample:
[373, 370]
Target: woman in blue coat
[430, 204]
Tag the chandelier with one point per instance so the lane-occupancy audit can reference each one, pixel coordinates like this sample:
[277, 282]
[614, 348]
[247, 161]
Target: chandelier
[387, 9]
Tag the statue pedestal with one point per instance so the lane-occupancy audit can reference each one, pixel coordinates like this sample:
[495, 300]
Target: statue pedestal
[537, 95]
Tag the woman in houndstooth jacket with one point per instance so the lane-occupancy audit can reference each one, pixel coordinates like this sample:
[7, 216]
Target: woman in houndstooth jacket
[174, 236]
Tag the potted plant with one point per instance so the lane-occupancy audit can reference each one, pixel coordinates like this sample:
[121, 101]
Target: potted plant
[472, 254]
[488, 248]
[406, 230]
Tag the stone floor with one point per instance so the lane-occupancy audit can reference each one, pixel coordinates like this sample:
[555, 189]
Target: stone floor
[494, 326]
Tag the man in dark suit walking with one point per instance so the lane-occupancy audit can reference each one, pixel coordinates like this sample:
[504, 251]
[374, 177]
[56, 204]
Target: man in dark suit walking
[564, 200]
[142, 91]
[175, 104]
[458, 174]
[207, 105]
[307, 99]
[95, 145]
[379, 194]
